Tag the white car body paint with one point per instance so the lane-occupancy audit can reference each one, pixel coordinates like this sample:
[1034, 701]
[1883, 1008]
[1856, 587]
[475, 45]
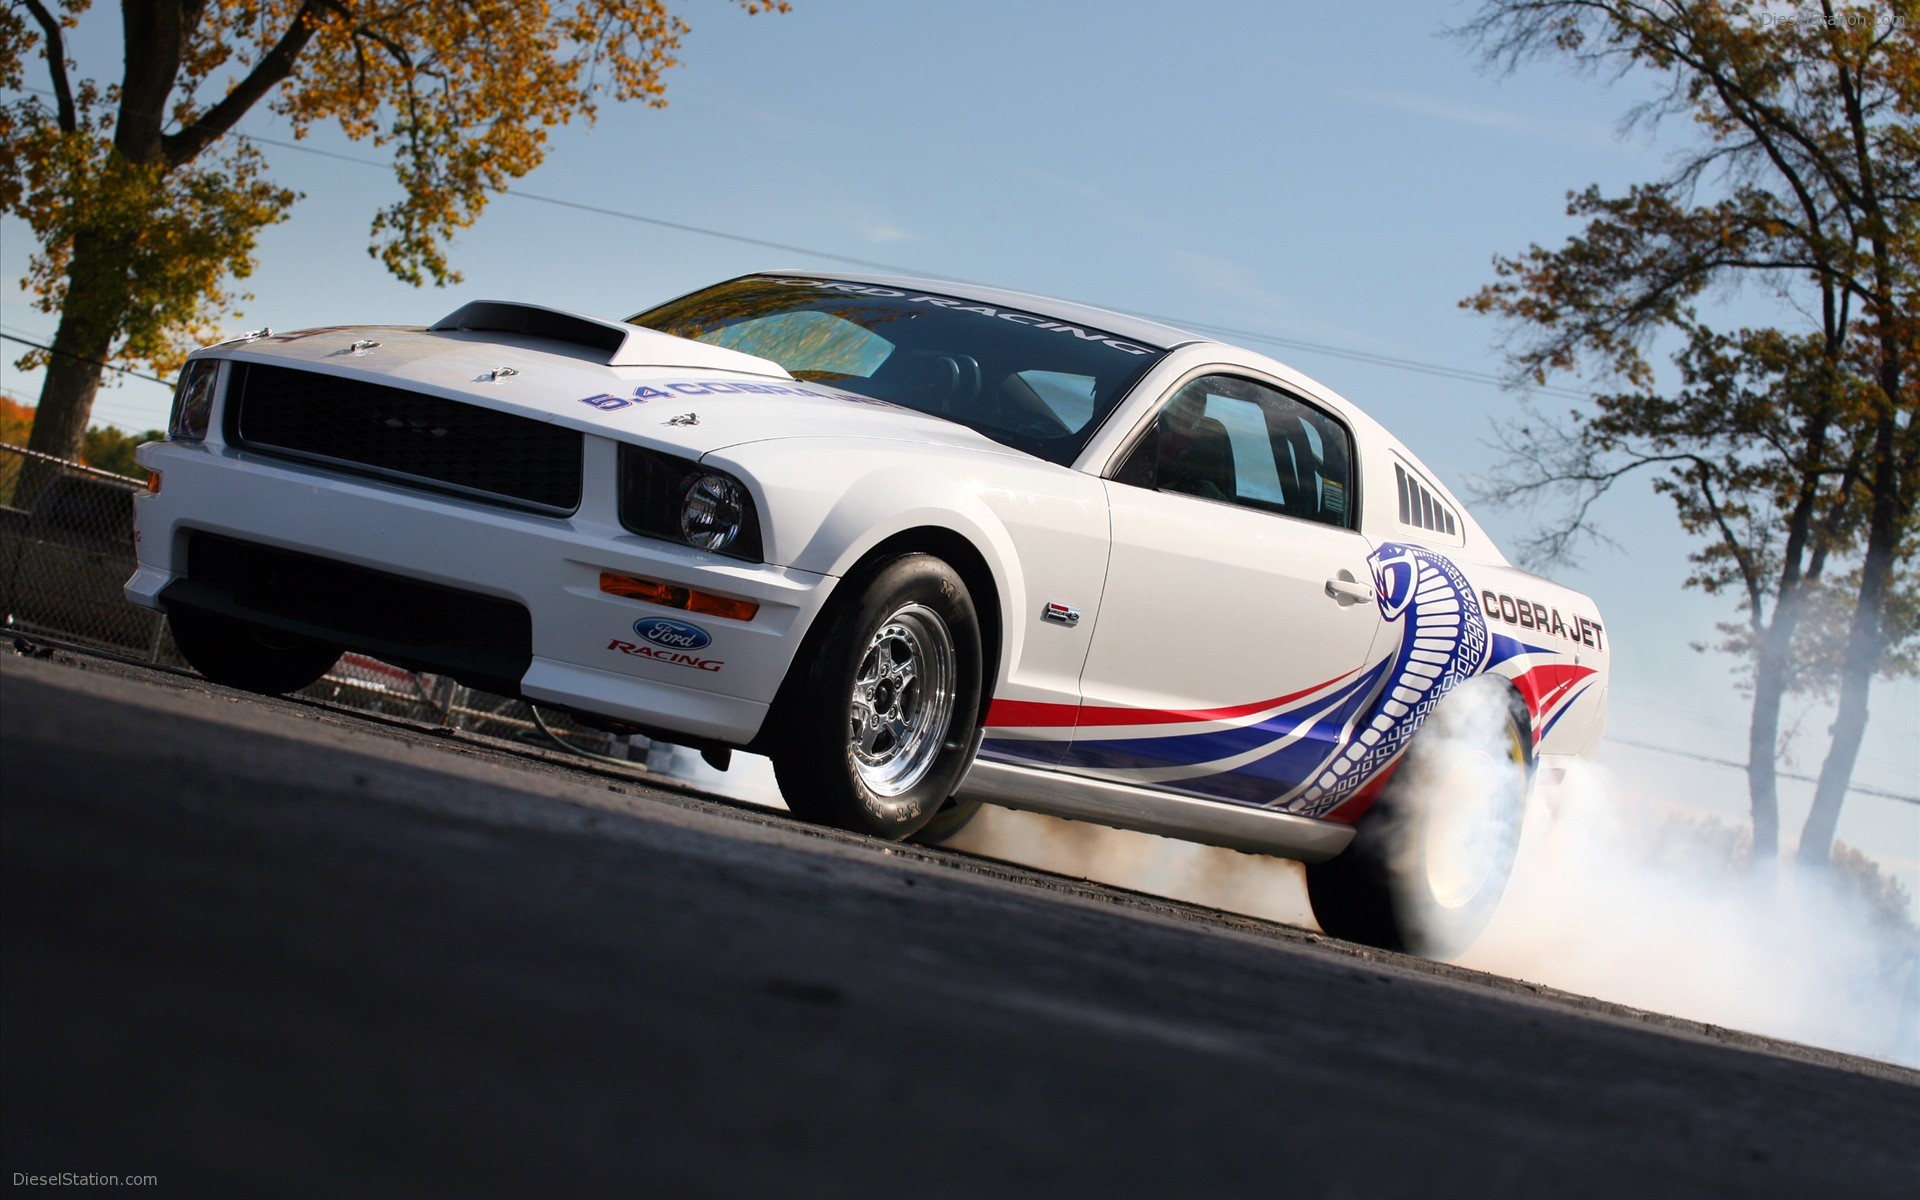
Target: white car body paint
[1198, 611]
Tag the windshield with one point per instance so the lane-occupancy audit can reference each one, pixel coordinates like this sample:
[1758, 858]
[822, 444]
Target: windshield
[1025, 380]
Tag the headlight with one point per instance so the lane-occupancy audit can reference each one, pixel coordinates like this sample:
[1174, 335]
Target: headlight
[712, 514]
[193, 401]
[680, 501]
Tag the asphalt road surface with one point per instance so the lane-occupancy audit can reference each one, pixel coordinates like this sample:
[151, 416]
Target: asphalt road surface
[267, 948]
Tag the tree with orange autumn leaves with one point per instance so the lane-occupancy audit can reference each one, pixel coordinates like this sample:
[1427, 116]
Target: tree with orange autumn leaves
[1791, 453]
[146, 206]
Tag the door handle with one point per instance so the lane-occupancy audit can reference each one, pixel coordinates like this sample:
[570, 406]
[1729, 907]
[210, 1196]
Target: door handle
[1347, 591]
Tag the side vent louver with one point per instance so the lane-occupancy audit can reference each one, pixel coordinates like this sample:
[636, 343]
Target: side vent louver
[1420, 508]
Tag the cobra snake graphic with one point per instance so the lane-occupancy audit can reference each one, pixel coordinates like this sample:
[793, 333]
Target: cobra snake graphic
[1443, 641]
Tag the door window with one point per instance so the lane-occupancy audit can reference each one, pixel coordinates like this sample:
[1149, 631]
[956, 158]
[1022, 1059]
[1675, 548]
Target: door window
[1236, 441]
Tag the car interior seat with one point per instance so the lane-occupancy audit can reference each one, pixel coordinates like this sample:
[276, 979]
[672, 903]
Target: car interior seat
[1204, 466]
[928, 380]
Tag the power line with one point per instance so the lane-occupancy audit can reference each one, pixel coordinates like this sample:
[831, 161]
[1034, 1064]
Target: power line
[1637, 699]
[83, 358]
[606, 212]
[125, 420]
[1462, 374]
[1857, 789]
[1392, 362]
[127, 416]
[1440, 370]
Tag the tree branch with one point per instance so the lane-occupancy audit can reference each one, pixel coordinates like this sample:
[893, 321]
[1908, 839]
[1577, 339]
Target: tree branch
[1749, 574]
[267, 74]
[56, 66]
[156, 28]
[1556, 461]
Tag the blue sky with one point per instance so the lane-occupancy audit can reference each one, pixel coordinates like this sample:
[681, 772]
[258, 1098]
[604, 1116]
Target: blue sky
[1339, 175]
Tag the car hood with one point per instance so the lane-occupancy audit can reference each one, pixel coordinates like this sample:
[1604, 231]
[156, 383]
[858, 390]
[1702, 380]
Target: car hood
[688, 398]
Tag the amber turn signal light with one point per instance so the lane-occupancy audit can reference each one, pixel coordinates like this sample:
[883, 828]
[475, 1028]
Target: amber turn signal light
[153, 483]
[670, 596]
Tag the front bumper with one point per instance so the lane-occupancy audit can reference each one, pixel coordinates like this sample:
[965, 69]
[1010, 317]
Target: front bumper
[585, 651]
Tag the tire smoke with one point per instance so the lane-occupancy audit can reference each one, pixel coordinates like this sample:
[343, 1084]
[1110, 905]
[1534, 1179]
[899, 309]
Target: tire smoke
[1616, 893]
[1448, 825]
[1622, 896]
[1257, 886]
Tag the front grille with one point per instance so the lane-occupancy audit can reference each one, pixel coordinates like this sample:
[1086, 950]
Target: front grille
[406, 436]
[483, 641]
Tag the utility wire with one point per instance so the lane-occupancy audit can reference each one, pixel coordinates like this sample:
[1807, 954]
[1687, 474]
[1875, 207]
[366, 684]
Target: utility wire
[83, 358]
[1393, 362]
[1857, 789]
[1461, 374]
[605, 212]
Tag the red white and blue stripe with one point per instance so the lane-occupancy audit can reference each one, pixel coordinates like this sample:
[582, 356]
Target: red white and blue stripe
[1320, 751]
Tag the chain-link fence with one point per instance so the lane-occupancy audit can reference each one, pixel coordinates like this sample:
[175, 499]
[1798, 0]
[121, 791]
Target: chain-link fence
[66, 547]
[66, 550]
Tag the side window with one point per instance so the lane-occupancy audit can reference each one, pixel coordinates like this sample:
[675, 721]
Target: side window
[1070, 397]
[1233, 440]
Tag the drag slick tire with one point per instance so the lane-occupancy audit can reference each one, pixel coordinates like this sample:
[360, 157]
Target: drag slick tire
[880, 719]
[251, 657]
[1430, 861]
[953, 816]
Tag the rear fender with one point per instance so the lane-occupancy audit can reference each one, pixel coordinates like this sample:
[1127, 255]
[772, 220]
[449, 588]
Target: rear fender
[1550, 642]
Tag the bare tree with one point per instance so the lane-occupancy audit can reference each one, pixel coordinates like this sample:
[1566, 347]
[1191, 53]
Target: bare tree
[1791, 454]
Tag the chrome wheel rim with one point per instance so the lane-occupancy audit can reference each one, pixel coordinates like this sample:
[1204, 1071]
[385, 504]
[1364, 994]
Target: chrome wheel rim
[903, 696]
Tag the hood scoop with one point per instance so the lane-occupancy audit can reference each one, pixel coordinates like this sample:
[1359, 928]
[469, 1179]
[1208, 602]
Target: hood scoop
[612, 343]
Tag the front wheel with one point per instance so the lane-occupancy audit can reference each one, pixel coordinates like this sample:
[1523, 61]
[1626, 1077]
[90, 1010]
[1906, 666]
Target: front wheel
[1430, 862]
[251, 657]
[880, 723]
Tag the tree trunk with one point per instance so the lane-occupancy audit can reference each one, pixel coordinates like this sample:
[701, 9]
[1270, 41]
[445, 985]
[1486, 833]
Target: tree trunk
[1763, 741]
[1865, 642]
[1773, 654]
[80, 348]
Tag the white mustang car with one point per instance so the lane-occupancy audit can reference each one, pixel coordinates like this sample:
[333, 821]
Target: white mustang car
[924, 544]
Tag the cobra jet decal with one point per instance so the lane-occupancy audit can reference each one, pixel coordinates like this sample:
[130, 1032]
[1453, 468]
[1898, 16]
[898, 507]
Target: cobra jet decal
[1443, 642]
[1299, 751]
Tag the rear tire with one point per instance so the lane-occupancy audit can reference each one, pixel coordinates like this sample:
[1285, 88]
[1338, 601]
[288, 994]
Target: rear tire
[879, 724]
[1429, 863]
[251, 657]
[953, 816]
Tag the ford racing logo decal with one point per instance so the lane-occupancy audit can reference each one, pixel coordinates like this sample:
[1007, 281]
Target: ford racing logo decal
[675, 635]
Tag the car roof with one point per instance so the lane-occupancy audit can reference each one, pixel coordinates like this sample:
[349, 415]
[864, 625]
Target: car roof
[1133, 329]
